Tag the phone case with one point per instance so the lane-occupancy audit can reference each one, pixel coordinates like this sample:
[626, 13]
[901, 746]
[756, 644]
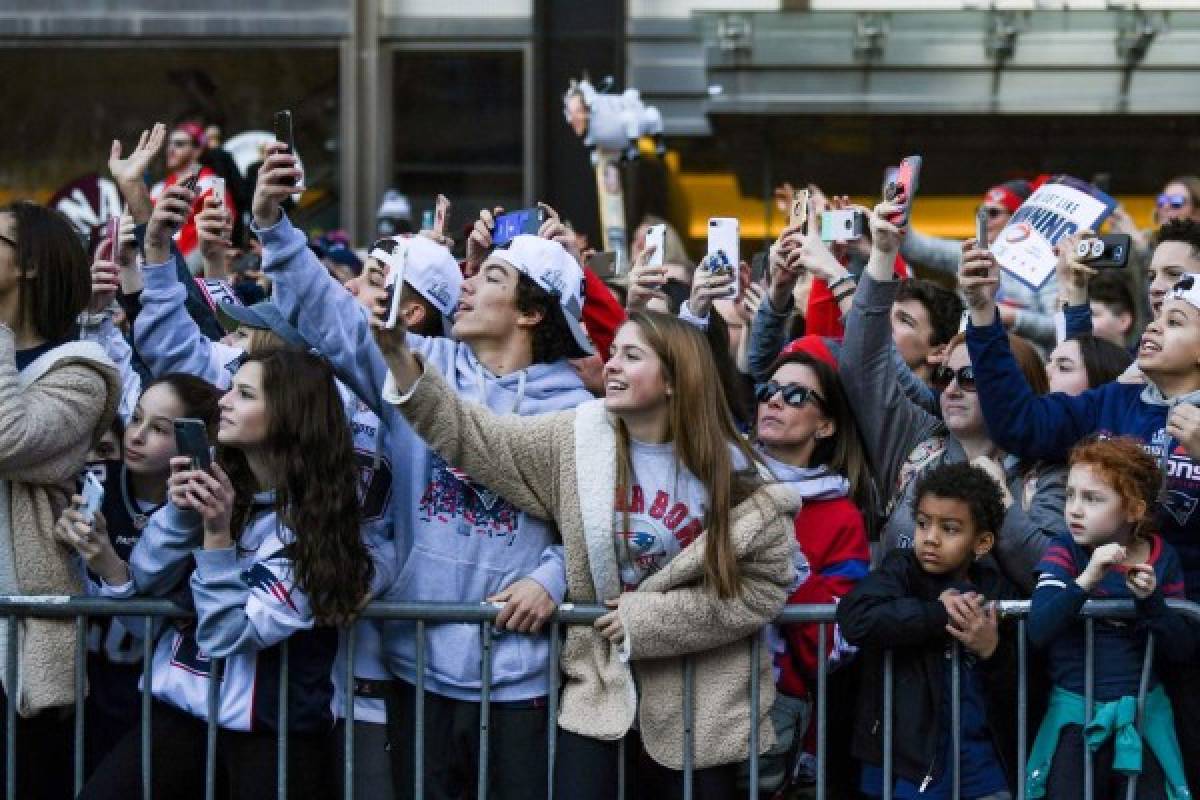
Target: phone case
[799, 215]
[440, 214]
[218, 191]
[191, 439]
[656, 236]
[283, 133]
[394, 284]
[904, 184]
[723, 238]
[93, 496]
[981, 225]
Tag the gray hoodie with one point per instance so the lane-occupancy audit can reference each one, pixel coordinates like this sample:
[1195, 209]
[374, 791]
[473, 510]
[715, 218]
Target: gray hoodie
[903, 440]
[456, 541]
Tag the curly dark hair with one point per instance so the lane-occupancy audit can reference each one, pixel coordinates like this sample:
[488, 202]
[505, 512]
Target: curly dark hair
[1181, 230]
[309, 449]
[552, 339]
[969, 484]
[943, 306]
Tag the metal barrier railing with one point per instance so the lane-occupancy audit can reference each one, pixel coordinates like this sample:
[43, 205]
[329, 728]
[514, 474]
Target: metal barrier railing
[80, 609]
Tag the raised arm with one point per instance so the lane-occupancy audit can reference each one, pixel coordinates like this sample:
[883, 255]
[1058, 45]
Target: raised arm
[891, 424]
[1019, 421]
[166, 336]
[517, 457]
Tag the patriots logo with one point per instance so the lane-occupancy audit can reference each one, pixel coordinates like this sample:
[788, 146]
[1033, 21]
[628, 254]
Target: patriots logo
[261, 578]
[1179, 505]
[451, 494]
[640, 541]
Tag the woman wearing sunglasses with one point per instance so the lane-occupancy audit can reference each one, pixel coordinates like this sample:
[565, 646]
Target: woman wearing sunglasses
[903, 441]
[805, 434]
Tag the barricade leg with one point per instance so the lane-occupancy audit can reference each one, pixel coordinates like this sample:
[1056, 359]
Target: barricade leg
[81, 623]
[282, 725]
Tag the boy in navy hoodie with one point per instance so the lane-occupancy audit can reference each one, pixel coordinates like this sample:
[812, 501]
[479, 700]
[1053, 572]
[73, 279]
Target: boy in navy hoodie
[516, 325]
[1163, 415]
[918, 603]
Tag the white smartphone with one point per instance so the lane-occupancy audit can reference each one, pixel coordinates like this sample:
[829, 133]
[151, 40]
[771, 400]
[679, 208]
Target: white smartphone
[723, 237]
[395, 287]
[218, 191]
[656, 237]
[93, 496]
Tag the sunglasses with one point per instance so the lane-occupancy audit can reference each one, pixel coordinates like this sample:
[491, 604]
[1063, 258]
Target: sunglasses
[180, 143]
[1171, 200]
[943, 376]
[993, 211]
[794, 394]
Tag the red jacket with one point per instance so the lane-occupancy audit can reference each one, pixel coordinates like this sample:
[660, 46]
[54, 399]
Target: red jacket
[822, 317]
[834, 557]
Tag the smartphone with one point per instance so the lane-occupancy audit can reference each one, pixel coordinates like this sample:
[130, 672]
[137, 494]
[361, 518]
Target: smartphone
[759, 264]
[844, 225]
[427, 219]
[1110, 251]
[509, 226]
[191, 439]
[218, 191]
[93, 496]
[902, 188]
[284, 133]
[981, 228]
[603, 264]
[723, 248]
[799, 215]
[441, 214]
[656, 237]
[394, 284]
[190, 181]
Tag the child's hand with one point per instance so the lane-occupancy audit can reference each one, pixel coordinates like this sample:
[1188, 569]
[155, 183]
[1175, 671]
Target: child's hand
[1141, 580]
[91, 542]
[973, 623]
[1104, 558]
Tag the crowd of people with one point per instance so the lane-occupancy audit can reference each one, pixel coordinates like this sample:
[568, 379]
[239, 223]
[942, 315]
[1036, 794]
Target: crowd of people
[689, 447]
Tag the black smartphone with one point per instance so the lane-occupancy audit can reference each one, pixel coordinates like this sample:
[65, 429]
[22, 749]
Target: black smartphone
[191, 439]
[509, 226]
[759, 264]
[1110, 251]
[284, 133]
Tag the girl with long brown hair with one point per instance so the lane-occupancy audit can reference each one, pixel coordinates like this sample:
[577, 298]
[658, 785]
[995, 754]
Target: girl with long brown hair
[666, 519]
[270, 535]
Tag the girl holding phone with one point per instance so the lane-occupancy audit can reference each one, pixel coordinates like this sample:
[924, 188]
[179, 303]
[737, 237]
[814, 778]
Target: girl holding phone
[666, 519]
[135, 487]
[267, 542]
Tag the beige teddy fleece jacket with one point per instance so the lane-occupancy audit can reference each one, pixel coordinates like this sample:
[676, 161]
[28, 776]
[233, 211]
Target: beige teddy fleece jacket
[562, 466]
[51, 413]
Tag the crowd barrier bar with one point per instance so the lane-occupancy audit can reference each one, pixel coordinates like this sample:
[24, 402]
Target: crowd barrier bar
[14, 608]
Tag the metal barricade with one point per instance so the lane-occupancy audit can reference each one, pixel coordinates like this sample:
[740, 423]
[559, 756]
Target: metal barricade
[14, 608]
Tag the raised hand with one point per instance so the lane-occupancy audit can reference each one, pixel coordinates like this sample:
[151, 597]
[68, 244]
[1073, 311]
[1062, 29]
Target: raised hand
[479, 243]
[979, 279]
[172, 211]
[132, 168]
[279, 178]
[106, 278]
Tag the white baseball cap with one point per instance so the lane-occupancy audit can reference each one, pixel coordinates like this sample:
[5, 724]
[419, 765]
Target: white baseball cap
[427, 267]
[1186, 289]
[550, 266]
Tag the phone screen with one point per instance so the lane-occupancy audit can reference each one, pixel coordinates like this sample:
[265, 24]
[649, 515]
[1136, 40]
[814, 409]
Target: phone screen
[284, 133]
[509, 226]
[981, 228]
[191, 439]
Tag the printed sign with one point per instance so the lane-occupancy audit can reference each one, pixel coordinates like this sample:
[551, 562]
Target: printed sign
[1065, 205]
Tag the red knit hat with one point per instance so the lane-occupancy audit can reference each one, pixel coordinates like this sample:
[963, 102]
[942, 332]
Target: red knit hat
[818, 347]
[1010, 195]
[194, 132]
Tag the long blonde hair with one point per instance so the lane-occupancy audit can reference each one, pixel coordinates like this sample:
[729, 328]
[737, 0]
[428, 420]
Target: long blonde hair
[698, 406]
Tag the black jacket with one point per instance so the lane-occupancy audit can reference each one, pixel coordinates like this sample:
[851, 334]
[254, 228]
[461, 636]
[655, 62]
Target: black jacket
[896, 606]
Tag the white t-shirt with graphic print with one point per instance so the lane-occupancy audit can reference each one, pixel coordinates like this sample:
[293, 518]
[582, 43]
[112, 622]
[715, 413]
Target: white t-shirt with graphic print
[667, 506]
